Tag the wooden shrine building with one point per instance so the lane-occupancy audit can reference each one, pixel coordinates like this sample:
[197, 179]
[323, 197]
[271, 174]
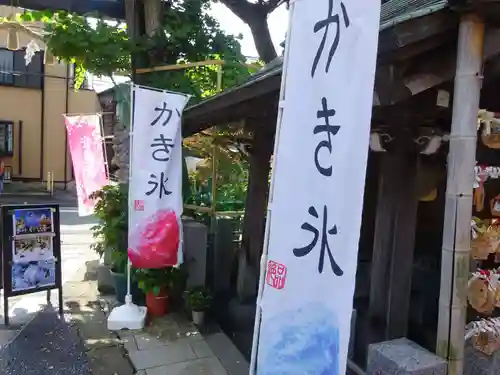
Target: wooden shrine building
[399, 269]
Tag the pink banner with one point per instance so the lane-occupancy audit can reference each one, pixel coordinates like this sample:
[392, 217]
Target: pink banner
[86, 147]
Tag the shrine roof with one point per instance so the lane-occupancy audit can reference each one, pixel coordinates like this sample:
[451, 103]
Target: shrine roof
[393, 12]
[397, 11]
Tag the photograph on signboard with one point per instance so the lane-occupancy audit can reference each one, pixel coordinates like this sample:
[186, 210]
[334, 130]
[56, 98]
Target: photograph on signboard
[33, 275]
[32, 249]
[32, 221]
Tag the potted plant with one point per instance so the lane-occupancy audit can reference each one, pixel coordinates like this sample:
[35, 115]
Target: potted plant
[199, 301]
[111, 235]
[155, 283]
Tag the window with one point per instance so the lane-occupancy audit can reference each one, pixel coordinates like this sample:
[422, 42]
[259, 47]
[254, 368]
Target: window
[6, 138]
[6, 66]
[13, 69]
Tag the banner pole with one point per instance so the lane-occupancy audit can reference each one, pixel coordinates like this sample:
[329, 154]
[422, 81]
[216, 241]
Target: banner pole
[128, 316]
[263, 260]
[103, 145]
[128, 297]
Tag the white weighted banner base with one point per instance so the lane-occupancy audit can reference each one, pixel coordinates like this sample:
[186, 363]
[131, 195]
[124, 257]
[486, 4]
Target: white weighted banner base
[127, 316]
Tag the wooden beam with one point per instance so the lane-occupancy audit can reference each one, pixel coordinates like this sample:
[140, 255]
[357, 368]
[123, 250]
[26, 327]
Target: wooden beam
[418, 48]
[429, 70]
[231, 107]
[415, 30]
[438, 71]
[163, 68]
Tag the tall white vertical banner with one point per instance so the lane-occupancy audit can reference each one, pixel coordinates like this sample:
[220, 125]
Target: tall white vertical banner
[318, 185]
[156, 161]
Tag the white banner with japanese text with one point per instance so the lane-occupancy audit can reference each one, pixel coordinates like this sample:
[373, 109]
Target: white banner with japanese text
[155, 185]
[316, 200]
[86, 147]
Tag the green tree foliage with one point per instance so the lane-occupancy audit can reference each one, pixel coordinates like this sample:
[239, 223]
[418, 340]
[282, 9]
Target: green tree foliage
[100, 47]
[232, 167]
[191, 34]
[188, 34]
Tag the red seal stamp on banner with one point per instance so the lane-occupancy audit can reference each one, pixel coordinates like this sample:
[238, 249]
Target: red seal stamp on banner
[276, 275]
[138, 205]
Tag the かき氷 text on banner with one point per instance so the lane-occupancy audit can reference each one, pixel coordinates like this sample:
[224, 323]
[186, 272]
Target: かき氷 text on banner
[156, 156]
[87, 155]
[318, 187]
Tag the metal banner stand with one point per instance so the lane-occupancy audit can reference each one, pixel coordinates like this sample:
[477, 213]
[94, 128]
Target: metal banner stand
[30, 259]
[128, 316]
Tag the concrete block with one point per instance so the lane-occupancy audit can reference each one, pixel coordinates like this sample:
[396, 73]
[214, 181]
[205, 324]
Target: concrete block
[105, 283]
[403, 357]
[161, 356]
[195, 251]
[201, 349]
[205, 366]
[146, 342]
[227, 353]
[478, 363]
[223, 255]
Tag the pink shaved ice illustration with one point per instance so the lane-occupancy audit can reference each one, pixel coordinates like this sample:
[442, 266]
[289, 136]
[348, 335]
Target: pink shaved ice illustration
[154, 243]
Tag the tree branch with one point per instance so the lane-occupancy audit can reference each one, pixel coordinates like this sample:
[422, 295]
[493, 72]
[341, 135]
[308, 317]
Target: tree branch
[271, 5]
[243, 9]
[255, 16]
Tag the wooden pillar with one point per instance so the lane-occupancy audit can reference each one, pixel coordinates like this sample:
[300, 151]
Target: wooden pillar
[455, 256]
[394, 241]
[255, 210]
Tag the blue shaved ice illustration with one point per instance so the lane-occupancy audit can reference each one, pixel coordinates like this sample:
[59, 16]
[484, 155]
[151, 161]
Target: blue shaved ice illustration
[300, 342]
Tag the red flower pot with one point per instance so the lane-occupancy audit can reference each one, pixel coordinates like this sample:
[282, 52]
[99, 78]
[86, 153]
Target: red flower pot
[157, 304]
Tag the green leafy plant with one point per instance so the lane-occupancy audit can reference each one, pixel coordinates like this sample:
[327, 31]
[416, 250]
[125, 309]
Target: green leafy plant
[199, 299]
[90, 43]
[103, 47]
[111, 233]
[156, 280]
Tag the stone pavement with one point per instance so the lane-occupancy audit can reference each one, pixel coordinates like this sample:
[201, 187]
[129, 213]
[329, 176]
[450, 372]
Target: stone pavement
[169, 346]
[78, 344]
[172, 345]
[85, 310]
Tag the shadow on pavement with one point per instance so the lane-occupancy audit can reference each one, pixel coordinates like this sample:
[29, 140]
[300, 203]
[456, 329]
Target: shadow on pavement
[45, 346]
[79, 344]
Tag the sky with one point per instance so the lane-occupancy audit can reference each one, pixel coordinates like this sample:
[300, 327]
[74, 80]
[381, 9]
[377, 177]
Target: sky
[278, 24]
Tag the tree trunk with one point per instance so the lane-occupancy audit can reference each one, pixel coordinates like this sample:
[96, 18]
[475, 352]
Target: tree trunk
[255, 208]
[262, 38]
[152, 16]
[255, 16]
[141, 17]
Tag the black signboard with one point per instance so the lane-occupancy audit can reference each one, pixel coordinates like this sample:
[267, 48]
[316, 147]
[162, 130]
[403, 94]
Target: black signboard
[31, 252]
